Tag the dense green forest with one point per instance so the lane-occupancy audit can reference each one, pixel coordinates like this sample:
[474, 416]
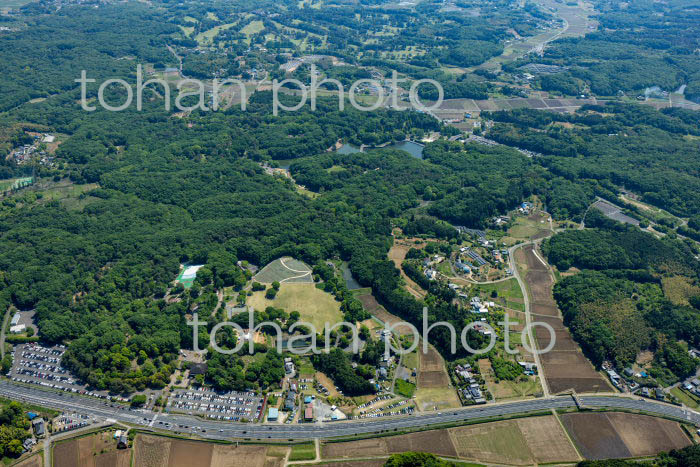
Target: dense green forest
[686, 457]
[150, 190]
[652, 153]
[618, 304]
[637, 46]
[14, 429]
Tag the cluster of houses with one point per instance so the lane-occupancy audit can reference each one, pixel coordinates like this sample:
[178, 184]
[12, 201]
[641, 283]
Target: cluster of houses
[471, 392]
[529, 368]
[290, 405]
[25, 153]
[525, 208]
[480, 307]
[429, 265]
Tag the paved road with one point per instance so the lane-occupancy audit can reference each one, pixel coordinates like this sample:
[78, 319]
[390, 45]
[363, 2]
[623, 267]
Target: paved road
[224, 430]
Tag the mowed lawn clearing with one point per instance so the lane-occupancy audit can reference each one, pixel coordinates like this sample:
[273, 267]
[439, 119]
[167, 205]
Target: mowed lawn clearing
[284, 269]
[315, 306]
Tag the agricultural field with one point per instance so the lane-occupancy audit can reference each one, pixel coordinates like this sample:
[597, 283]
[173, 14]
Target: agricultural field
[397, 254]
[532, 227]
[153, 451]
[433, 388]
[375, 309]
[436, 442]
[564, 367]
[519, 442]
[620, 435]
[34, 461]
[314, 305]
[284, 270]
[95, 450]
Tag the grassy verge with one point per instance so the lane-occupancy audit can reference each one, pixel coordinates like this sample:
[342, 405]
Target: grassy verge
[303, 452]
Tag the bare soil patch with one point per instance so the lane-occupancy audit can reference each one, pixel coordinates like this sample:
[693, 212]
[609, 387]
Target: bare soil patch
[595, 436]
[564, 367]
[349, 450]
[375, 309]
[154, 451]
[189, 453]
[431, 361]
[114, 459]
[151, 451]
[433, 373]
[65, 454]
[437, 442]
[397, 254]
[34, 461]
[433, 379]
[547, 440]
[647, 436]
[516, 442]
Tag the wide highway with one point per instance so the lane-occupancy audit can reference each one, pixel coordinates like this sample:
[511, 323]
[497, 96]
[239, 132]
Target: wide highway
[185, 424]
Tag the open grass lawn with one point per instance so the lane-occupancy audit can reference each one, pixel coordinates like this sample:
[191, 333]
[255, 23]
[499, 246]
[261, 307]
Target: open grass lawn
[315, 306]
[686, 398]
[303, 452]
[404, 388]
[10, 4]
[440, 398]
[207, 37]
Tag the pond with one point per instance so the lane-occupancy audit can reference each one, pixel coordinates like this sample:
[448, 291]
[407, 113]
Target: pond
[411, 147]
[350, 281]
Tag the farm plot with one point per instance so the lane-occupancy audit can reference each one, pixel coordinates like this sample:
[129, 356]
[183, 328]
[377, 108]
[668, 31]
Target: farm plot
[34, 461]
[434, 390]
[397, 254]
[536, 440]
[432, 370]
[285, 270]
[621, 435]
[372, 306]
[564, 367]
[436, 442]
[153, 451]
[90, 451]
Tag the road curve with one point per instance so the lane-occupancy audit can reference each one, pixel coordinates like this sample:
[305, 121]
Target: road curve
[227, 430]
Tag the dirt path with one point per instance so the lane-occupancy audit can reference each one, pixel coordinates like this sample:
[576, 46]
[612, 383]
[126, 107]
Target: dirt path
[397, 254]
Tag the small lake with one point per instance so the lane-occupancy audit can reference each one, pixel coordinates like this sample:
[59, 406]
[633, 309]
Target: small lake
[413, 148]
[350, 281]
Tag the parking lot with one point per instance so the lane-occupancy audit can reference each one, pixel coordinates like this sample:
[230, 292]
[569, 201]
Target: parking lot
[231, 406]
[35, 364]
